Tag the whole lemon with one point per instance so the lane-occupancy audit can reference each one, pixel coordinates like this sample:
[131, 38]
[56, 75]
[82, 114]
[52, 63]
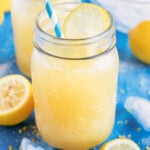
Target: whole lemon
[139, 40]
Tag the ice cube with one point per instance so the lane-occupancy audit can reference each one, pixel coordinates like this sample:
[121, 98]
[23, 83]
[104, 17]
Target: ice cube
[26, 144]
[4, 68]
[139, 108]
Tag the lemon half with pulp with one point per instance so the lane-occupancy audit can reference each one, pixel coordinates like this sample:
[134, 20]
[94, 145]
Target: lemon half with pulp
[120, 144]
[16, 99]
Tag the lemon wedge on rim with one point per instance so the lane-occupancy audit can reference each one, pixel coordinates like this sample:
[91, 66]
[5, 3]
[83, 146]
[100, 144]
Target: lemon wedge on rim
[120, 144]
[16, 99]
[86, 20]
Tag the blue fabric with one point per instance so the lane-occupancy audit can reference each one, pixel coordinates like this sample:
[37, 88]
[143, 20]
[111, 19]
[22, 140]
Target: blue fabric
[134, 79]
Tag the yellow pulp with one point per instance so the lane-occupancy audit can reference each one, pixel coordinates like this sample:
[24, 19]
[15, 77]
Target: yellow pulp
[75, 100]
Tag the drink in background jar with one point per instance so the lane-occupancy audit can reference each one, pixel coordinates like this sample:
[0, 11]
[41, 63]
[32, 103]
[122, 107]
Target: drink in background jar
[23, 19]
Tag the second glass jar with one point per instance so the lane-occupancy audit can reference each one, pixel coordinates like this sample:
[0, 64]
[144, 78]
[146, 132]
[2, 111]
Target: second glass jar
[23, 20]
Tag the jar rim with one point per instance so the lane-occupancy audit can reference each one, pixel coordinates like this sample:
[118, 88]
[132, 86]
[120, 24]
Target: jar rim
[73, 42]
[70, 58]
[47, 35]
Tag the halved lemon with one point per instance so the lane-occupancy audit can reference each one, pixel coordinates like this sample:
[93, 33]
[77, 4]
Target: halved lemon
[86, 20]
[16, 99]
[120, 144]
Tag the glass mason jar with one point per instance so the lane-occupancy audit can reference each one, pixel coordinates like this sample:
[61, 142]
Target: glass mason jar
[23, 19]
[74, 84]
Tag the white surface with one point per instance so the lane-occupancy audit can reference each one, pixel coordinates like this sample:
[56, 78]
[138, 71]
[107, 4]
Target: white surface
[127, 13]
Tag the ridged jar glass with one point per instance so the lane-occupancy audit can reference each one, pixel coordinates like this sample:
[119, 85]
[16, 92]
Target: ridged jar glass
[74, 84]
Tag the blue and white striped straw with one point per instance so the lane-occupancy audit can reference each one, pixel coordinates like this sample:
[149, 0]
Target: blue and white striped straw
[53, 17]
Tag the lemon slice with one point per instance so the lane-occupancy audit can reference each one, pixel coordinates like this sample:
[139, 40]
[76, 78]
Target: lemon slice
[85, 21]
[120, 144]
[16, 100]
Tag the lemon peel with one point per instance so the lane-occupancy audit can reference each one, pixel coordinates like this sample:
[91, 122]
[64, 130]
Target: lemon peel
[139, 39]
[5, 6]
